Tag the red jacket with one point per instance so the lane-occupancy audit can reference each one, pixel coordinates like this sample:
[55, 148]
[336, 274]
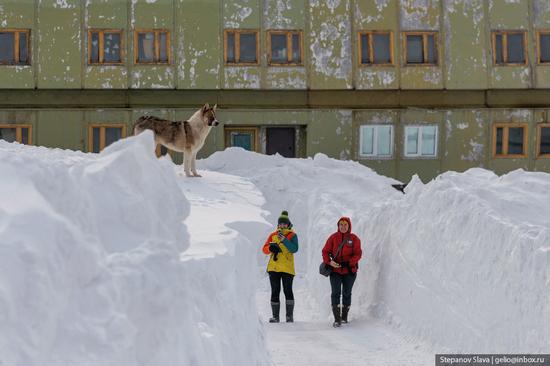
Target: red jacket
[349, 255]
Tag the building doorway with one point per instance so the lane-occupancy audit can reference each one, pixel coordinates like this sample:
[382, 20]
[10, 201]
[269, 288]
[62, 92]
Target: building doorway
[281, 140]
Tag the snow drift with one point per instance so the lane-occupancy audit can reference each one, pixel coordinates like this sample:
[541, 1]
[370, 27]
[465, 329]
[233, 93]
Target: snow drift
[90, 272]
[464, 261]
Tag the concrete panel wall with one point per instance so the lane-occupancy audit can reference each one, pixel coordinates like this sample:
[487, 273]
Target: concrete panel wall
[59, 43]
[197, 43]
[329, 43]
[376, 16]
[16, 14]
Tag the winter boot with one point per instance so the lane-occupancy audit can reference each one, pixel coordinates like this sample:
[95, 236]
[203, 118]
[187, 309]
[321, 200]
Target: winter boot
[290, 311]
[275, 307]
[337, 317]
[345, 311]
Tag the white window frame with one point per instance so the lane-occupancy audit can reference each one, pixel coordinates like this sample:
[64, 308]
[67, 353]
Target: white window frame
[375, 142]
[419, 141]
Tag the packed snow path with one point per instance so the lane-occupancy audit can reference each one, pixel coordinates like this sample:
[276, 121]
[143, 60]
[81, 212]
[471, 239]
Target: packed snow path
[359, 343]
[218, 199]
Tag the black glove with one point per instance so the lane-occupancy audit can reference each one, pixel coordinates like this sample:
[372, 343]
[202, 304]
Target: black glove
[346, 265]
[274, 248]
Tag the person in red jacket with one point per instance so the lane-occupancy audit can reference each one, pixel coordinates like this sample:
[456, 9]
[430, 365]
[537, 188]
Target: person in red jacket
[344, 267]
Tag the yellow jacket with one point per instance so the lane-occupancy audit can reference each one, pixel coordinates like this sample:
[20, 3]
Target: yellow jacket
[288, 246]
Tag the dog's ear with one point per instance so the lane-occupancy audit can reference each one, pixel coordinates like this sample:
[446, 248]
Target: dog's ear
[215, 106]
[205, 108]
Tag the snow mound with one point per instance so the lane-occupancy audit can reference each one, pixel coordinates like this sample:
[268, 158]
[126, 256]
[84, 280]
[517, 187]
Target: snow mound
[90, 269]
[464, 261]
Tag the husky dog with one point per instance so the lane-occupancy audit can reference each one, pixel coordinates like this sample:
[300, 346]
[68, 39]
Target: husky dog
[184, 136]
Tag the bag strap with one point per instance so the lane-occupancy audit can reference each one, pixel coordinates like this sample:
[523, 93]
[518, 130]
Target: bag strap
[340, 247]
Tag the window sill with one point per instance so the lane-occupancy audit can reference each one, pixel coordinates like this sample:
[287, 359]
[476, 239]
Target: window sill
[509, 156]
[284, 65]
[421, 65]
[241, 64]
[376, 65]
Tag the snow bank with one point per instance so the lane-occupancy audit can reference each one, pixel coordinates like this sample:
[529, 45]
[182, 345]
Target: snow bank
[466, 262]
[90, 272]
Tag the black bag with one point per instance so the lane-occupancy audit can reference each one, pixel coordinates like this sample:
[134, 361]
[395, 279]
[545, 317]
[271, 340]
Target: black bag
[326, 269]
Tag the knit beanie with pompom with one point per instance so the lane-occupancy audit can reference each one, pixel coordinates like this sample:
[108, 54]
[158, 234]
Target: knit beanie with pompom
[283, 219]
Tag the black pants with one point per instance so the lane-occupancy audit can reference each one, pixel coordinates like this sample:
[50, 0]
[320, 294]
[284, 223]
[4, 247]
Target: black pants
[275, 280]
[341, 286]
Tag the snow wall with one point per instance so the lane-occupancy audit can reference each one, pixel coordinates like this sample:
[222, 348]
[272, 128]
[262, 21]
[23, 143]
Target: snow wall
[90, 272]
[464, 261]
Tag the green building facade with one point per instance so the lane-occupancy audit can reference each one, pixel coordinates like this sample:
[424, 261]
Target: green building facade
[403, 86]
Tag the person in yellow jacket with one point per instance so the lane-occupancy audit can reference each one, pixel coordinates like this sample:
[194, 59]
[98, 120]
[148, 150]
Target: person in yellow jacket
[281, 246]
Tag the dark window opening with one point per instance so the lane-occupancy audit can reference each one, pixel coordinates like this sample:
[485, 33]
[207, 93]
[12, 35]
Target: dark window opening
[285, 48]
[509, 48]
[14, 47]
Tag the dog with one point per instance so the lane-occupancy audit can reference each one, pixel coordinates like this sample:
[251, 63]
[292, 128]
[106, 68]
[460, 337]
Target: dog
[184, 136]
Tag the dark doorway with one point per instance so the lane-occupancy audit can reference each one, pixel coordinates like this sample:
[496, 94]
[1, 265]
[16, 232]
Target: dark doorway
[282, 141]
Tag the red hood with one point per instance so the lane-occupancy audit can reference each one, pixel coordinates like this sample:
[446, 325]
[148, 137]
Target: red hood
[347, 219]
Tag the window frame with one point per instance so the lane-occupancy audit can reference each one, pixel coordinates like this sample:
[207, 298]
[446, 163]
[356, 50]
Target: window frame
[375, 155]
[156, 32]
[419, 142]
[505, 34]
[370, 34]
[237, 50]
[255, 131]
[424, 35]
[18, 131]
[288, 33]
[102, 127]
[101, 48]
[16, 46]
[540, 126]
[505, 135]
[539, 53]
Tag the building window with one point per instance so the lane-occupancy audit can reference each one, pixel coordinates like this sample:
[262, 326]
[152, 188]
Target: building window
[101, 136]
[543, 47]
[376, 141]
[247, 138]
[284, 47]
[152, 46]
[509, 48]
[509, 140]
[375, 48]
[105, 47]
[14, 47]
[421, 48]
[421, 141]
[241, 47]
[16, 133]
[543, 140]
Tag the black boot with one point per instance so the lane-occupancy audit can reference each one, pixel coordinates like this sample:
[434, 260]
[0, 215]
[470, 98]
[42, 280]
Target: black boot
[345, 311]
[337, 317]
[275, 307]
[290, 311]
